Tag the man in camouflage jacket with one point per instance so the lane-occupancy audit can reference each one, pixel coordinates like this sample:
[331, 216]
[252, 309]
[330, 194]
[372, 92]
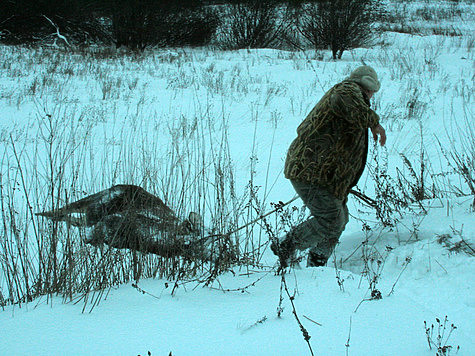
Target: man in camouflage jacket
[326, 160]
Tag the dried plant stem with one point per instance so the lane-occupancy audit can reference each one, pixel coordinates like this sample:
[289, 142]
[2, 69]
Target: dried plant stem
[305, 333]
[134, 285]
[406, 263]
[23, 182]
[313, 321]
[242, 289]
[347, 345]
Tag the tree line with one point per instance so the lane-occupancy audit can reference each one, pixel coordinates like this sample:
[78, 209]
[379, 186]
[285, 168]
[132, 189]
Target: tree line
[229, 24]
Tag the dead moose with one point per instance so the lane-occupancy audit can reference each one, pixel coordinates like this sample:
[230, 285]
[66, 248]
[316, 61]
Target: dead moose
[128, 217]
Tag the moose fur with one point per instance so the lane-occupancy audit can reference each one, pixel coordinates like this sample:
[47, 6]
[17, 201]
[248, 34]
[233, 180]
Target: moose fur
[127, 216]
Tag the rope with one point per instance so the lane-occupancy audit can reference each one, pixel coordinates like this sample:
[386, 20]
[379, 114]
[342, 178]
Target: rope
[359, 195]
[260, 217]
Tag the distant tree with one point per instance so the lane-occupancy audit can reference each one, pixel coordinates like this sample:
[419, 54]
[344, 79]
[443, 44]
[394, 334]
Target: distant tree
[190, 27]
[254, 23]
[138, 24]
[339, 24]
[135, 24]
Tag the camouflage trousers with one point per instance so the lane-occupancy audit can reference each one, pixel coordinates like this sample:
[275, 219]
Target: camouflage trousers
[322, 231]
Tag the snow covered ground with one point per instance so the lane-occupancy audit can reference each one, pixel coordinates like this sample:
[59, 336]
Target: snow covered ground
[126, 117]
[208, 321]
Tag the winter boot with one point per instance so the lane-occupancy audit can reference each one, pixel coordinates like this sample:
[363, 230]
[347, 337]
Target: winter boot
[316, 260]
[285, 250]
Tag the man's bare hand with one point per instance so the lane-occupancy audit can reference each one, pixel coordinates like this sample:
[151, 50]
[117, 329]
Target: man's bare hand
[379, 130]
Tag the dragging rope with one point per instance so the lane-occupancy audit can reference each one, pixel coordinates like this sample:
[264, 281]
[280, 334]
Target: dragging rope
[364, 198]
[260, 217]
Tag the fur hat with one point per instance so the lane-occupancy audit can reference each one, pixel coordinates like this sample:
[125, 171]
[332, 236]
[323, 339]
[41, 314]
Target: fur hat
[366, 77]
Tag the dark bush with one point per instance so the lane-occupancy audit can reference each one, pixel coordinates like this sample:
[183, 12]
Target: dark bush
[135, 24]
[138, 24]
[254, 24]
[188, 28]
[339, 24]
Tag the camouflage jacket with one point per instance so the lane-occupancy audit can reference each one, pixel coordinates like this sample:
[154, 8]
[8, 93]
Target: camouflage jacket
[332, 142]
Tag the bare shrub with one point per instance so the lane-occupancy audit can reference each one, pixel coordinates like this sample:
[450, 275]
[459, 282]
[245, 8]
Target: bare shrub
[373, 265]
[460, 156]
[438, 336]
[139, 24]
[193, 27]
[390, 204]
[456, 243]
[254, 24]
[339, 24]
[414, 186]
[415, 107]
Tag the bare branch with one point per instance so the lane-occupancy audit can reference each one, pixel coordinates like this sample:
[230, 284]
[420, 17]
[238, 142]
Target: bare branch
[60, 36]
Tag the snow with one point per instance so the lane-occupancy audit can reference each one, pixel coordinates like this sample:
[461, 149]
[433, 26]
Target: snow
[125, 113]
[207, 321]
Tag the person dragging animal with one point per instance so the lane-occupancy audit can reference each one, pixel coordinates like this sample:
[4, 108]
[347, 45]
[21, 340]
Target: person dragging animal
[326, 160]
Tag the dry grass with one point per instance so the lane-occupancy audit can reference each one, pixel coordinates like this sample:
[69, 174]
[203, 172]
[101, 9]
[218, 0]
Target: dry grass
[80, 138]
